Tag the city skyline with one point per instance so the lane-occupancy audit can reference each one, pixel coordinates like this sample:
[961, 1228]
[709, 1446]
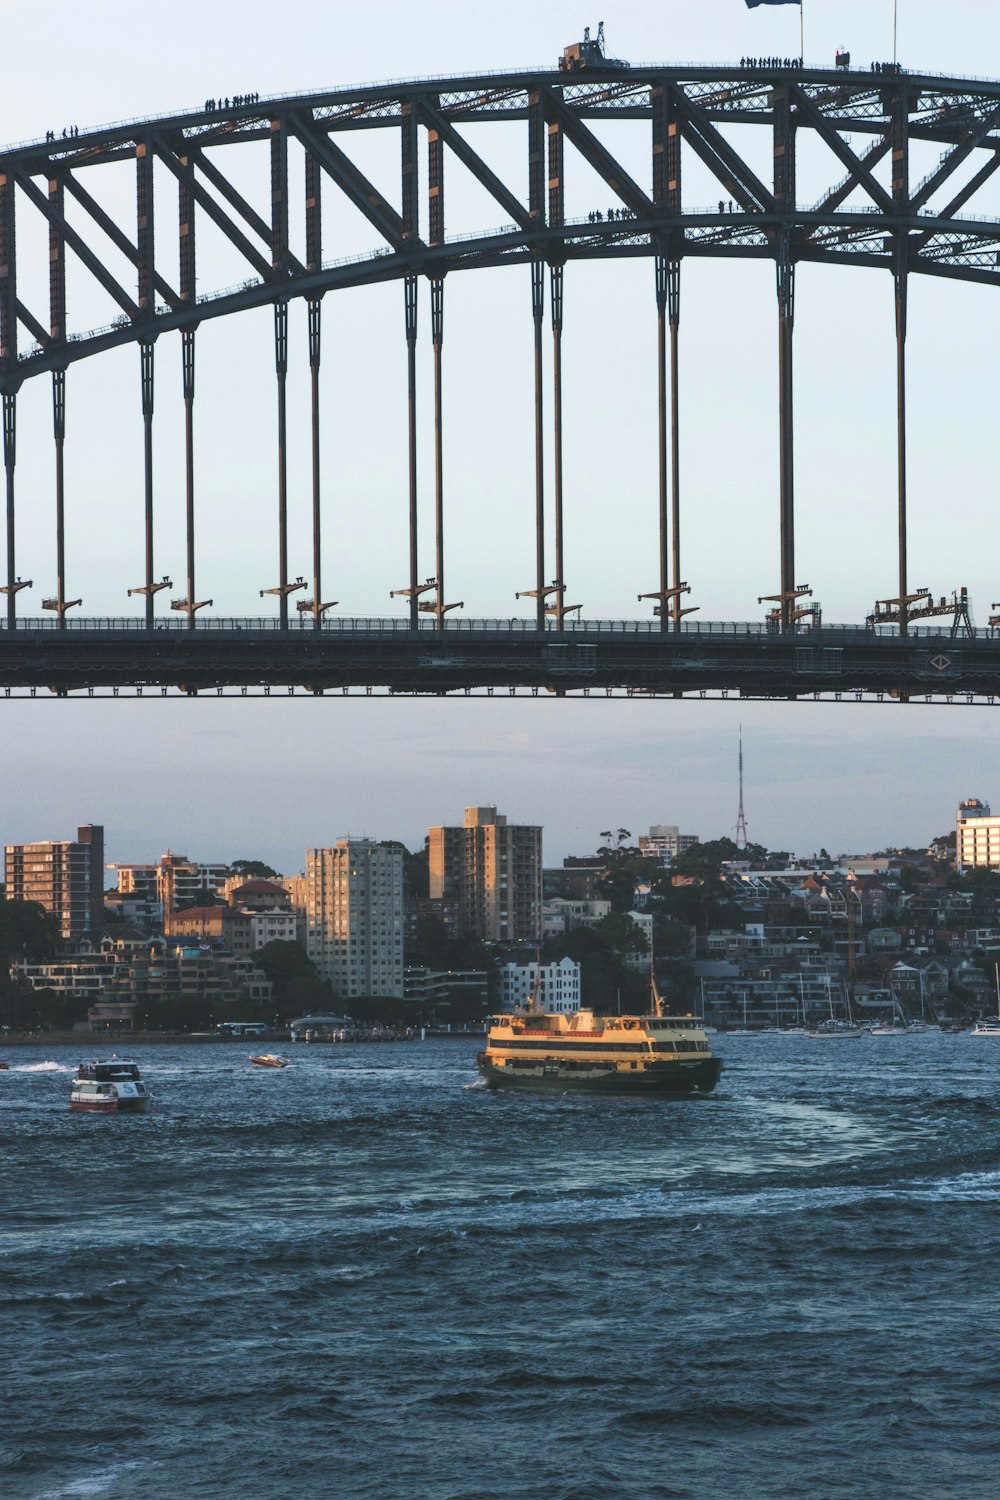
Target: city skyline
[833, 776]
[563, 838]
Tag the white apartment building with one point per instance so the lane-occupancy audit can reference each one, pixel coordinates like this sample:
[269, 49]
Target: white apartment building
[175, 881]
[644, 921]
[562, 915]
[354, 917]
[559, 990]
[977, 836]
[664, 842]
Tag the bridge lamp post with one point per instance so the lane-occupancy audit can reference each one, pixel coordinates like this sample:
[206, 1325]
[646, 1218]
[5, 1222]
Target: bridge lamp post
[413, 593]
[149, 592]
[282, 590]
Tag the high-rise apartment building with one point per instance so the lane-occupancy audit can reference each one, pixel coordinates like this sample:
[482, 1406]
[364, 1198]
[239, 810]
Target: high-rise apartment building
[175, 882]
[66, 876]
[354, 917]
[664, 842]
[492, 871]
[977, 836]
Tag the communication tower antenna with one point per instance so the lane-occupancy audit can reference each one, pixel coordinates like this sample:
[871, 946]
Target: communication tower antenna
[741, 822]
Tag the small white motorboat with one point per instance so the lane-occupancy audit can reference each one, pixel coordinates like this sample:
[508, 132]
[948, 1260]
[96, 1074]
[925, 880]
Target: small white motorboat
[109, 1086]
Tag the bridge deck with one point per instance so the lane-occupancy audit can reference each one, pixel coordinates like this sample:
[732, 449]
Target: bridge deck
[619, 655]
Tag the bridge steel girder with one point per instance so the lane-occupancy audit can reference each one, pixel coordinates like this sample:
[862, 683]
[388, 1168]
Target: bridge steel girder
[941, 244]
[900, 229]
[961, 117]
[599, 657]
[352, 182]
[431, 116]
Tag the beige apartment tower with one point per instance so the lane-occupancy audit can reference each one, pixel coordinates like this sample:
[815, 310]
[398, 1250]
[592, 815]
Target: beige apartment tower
[977, 836]
[492, 871]
[66, 876]
[354, 917]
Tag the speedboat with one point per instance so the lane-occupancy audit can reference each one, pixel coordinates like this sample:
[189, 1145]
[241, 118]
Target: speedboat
[109, 1086]
[269, 1060]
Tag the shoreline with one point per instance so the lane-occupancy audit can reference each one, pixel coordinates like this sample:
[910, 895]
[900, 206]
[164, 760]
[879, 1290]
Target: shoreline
[87, 1039]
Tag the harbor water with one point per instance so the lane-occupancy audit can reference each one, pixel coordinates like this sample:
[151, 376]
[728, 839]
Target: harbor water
[368, 1276]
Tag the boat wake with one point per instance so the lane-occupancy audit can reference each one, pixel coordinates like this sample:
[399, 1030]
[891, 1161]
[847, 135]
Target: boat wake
[98, 1483]
[42, 1067]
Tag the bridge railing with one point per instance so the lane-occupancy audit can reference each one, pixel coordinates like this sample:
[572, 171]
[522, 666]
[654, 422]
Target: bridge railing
[723, 69]
[368, 625]
[739, 218]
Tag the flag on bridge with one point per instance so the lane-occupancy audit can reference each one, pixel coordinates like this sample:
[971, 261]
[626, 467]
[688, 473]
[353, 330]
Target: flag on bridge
[752, 3]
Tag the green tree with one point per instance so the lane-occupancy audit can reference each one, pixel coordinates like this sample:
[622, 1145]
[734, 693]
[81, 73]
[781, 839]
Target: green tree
[27, 933]
[678, 985]
[206, 897]
[296, 981]
[704, 861]
[671, 939]
[253, 869]
[979, 881]
[621, 935]
[701, 906]
[377, 1010]
[606, 983]
[416, 877]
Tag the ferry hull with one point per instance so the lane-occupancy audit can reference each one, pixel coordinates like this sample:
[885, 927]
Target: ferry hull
[663, 1080]
[138, 1106]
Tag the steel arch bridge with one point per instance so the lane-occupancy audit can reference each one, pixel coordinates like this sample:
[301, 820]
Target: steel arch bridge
[147, 266]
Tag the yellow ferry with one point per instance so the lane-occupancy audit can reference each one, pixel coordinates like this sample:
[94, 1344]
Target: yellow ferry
[654, 1054]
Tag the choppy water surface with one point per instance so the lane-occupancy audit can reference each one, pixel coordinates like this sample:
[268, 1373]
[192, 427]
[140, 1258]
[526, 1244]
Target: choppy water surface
[366, 1276]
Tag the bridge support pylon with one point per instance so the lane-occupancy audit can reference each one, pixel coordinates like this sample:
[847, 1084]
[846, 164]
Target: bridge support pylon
[190, 604]
[315, 605]
[414, 590]
[668, 308]
[559, 609]
[149, 589]
[283, 588]
[901, 204]
[14, 585]
[901, 495]
[60, 604]
[786, 430]
[540, 592]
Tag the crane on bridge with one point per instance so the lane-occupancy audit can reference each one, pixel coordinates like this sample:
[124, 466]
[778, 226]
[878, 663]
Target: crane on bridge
[788, 603]
[589, 54]
[923, 606]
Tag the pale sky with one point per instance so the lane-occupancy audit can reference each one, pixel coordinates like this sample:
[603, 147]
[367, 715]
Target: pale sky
[220, 779]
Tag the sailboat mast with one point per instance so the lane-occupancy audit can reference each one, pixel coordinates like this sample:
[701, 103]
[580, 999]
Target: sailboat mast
[536, 988]
[657, 998]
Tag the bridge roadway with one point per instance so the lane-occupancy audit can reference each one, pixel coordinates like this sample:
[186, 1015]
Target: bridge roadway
[631, 656]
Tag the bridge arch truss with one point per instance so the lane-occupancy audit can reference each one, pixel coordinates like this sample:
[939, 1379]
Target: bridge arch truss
[873, 213]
